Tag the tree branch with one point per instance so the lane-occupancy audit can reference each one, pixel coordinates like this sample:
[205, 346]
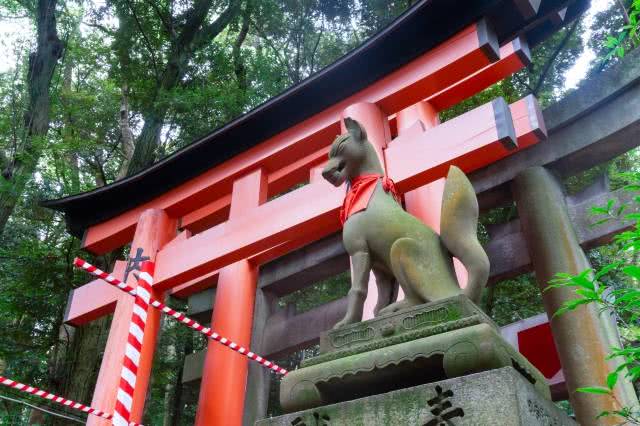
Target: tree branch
[146, 40]
[525, 84]
[277, 52]
[128, 145]
[625, 13]
[166, 23]
[315, 49]
[211, 31]
[102, 28]
[239, 68]
[554, 55]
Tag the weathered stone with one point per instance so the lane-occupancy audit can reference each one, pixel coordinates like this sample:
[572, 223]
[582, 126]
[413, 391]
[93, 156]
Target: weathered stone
[388, 329]
[497, 397]
[585, 335]
[399, 249]
[435, 341]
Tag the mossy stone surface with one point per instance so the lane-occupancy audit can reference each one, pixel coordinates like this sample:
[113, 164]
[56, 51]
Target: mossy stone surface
[387, 330]
[425, 344]
[496, 397]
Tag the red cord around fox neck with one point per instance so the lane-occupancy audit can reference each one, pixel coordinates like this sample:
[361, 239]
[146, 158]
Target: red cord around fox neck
[360, 192]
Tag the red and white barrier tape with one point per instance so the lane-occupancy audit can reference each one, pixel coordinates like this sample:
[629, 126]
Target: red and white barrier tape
[58, 399]
[131, 362]
[179, 316]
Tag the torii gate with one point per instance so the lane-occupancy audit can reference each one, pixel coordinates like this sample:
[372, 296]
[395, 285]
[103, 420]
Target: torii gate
[218, 227]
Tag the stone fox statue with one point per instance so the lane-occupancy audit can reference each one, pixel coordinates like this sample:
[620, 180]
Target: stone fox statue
[381, 237]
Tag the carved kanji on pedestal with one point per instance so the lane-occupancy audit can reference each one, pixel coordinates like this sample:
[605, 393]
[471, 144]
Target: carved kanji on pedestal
[443, 409]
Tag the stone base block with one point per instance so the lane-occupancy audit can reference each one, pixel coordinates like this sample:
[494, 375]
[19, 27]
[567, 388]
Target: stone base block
[431, 342]
[496, 397]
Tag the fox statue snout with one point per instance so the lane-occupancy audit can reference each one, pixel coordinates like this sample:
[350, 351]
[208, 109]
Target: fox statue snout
[334, 172]
[382, 238]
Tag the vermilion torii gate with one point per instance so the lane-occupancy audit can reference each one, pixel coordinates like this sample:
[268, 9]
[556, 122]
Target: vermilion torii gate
[202, 214]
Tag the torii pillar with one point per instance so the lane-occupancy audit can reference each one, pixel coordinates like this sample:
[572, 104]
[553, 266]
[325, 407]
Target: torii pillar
[224, 377]
[583, 336]
[155, 228]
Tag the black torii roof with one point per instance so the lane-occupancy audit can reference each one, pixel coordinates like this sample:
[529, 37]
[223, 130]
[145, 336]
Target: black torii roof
[422, 27]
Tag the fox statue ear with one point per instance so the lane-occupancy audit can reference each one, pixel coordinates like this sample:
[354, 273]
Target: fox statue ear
[355, 129]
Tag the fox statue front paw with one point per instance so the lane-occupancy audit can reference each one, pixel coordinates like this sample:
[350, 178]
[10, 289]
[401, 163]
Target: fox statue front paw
[343, 322]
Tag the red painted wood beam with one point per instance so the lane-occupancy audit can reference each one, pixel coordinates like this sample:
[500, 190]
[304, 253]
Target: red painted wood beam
[94, 299]
[217, 211]
[207, 216]
[463, 141]
[469, 141]
[513, 56]
[464, 54]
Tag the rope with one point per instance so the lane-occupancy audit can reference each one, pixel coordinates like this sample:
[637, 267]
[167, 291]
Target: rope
[180, 317]
[44, 410]
[131, 362]
[55, 398]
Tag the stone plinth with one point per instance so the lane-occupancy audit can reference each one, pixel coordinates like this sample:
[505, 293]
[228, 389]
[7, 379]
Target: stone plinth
[435, 341]
[496, 397]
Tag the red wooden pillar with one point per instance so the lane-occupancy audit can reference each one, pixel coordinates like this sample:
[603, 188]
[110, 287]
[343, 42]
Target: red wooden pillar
[425, 202]
[376, 124]
[155, 229]
[224, 378]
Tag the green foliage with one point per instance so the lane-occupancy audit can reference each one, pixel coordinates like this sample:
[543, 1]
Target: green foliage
[627, 36]
[318, 294]
[513, 300]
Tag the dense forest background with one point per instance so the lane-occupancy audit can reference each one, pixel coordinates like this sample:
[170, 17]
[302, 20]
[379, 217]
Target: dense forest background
[93, 91]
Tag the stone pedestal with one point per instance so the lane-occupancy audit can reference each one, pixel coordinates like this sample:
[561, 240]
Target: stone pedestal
[495, 397]
[432, 342]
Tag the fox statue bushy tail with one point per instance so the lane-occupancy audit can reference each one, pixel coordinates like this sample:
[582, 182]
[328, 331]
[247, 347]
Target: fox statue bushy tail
[381, 237]
[458, 231]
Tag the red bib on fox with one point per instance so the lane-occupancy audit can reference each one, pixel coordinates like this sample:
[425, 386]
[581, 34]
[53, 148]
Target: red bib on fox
[360, 192]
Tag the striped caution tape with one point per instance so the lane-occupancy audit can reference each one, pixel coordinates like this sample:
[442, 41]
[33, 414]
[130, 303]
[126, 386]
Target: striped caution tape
[179, 316]
[58, 399]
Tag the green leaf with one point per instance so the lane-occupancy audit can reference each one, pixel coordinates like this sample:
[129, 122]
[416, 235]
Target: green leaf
[599, 210]
[582, 280]
[588, 294]
[571, 305]
[610, 204]
[621, 209]
[600, 222]
[595, 389]
[612, 379]
[633, 271]
[632, 216]
[606, 269]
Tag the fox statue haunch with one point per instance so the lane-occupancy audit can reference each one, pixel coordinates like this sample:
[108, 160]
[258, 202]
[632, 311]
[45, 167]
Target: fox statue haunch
[395, 245]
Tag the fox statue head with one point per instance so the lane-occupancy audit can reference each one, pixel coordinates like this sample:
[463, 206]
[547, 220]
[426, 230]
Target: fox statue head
[351, 155]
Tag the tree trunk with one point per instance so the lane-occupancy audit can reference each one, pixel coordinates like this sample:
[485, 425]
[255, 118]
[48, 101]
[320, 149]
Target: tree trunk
[42, 64]
[128, 144]
[147, 143]
[195, 35]
[82, 353]
[72, 178]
